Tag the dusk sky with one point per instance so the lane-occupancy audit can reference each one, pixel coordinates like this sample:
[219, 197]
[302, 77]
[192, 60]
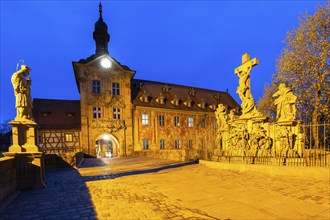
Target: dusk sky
[192, 43]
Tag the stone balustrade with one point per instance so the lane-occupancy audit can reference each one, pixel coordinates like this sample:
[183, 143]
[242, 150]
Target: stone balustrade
[8, 179]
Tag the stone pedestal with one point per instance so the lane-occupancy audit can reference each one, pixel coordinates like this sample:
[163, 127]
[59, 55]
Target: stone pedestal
[287, 123]
[259, 119]
[29, 161]
[23, 136]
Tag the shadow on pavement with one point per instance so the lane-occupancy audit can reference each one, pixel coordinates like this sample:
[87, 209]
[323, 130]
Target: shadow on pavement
[93, 162]
[66, 195]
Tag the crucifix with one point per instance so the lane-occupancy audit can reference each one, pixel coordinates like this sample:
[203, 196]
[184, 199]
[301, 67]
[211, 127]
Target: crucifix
[244, 88]
[243, 72]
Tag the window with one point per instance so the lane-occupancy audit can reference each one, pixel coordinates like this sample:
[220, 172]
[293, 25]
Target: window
[40, 139]
[175, 102]
[190, 122]
[144, 98]
[161, 120]
[145, 144]
[96, 112]
[115, 88]
[188, 103]
[68, 137]
[203, 123]
[177, 144]
[177, 121]
[145, 119]
[162, 144]
[161, 100]
[202, 104]
[190, 144]
[96, 88]
[116, 113]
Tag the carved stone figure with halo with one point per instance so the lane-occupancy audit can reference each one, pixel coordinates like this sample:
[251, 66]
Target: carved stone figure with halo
[22, 93]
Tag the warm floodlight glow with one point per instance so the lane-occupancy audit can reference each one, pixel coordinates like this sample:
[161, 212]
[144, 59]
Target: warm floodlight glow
[106, 137]
[106, 63]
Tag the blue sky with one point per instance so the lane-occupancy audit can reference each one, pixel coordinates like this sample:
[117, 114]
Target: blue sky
[193, 43]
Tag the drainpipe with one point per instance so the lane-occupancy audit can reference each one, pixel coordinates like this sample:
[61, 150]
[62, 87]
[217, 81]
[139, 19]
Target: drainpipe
[89, 151]
[125, 138]
[133, 123]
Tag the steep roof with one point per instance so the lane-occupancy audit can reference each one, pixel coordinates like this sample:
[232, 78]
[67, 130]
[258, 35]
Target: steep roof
[170, 92]
[57, 114]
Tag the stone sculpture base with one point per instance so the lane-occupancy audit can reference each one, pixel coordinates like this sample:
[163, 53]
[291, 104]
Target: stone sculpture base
[287, 123]
[23, 136]
[30, 171]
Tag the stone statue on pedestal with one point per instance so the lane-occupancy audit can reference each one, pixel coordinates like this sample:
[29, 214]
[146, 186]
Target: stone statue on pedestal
[30, 171]
[23, 127]
[22, 93]
[221, 116]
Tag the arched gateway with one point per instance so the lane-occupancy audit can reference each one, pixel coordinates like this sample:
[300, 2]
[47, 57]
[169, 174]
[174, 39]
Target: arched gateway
[107, 145]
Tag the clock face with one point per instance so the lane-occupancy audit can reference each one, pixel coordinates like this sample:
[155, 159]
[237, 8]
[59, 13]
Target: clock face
[106, 63]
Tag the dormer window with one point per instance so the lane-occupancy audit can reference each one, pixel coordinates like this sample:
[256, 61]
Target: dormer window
[213, 106]
[160, 99]
[166, 88]
[192, 92]
[175, 101]
[218, 96]
[202, 104]
[188, 103]
[144, 97]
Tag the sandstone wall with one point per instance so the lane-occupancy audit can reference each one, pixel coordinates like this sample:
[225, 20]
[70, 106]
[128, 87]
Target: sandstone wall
[8, 179]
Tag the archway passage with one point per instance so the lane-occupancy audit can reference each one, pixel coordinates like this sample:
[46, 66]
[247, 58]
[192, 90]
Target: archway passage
[107, 146]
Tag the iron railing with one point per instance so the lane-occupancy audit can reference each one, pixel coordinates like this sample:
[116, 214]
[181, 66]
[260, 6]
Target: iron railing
[315, 151]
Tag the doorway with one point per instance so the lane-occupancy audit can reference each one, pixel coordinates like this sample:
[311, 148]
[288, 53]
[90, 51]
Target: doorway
[106, 146]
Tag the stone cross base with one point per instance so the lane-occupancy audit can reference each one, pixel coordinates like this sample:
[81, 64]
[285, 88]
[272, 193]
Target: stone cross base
[23, 136]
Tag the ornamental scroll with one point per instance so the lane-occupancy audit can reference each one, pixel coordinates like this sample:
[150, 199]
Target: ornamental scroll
[108, 124]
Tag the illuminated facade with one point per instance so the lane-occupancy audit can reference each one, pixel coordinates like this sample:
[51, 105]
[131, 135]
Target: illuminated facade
[123, 116]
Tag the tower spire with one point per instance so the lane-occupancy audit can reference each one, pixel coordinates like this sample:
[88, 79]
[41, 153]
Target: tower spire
[101, 35]
[100, 10]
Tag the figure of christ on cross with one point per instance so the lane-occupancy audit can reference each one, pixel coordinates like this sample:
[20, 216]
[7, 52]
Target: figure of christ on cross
[243, 72]
[244, 87]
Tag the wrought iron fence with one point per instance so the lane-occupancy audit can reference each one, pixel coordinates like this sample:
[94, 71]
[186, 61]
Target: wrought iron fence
[315, 150]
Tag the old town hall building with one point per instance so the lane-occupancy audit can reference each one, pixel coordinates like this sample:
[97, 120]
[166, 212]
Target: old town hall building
[118, 115]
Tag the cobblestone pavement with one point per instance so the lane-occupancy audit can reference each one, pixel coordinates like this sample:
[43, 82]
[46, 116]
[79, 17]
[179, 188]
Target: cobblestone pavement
[129, 188]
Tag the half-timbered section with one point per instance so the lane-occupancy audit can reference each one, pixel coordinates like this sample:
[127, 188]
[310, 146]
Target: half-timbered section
[59, 125]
